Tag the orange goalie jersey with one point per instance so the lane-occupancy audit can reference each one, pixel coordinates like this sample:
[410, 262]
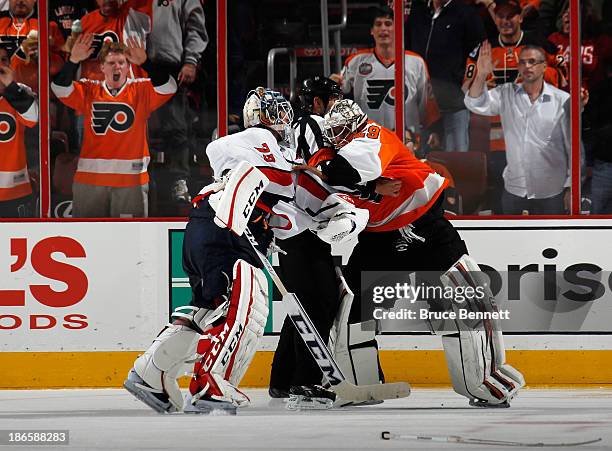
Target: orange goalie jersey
[378, 152]
[115, 150]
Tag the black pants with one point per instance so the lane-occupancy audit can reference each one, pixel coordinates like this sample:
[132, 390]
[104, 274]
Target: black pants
[515, 205]
[389, 251]
[210, 252]
[18, 208]
[308, 271]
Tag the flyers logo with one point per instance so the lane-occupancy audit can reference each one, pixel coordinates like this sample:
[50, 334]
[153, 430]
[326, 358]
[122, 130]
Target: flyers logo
[100, 39]
[117, 116]
[378, 91]
[11, 43]
[8, 127]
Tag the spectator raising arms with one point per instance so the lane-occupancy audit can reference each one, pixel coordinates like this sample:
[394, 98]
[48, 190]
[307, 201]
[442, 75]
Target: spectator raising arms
[18, 109]
[115, 22]
[505, 51]
[535, 120]
[111, 178]
[19, 35]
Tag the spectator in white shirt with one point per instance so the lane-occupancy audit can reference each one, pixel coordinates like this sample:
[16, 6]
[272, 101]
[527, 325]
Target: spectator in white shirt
[535, 120]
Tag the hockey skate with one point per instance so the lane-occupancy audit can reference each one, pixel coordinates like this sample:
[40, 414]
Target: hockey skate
[155, 399]
[310, 397]
[208, 406]
[482, 403]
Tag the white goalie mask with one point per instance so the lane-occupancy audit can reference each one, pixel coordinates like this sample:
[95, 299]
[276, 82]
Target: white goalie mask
[270, 109]
[343, 120]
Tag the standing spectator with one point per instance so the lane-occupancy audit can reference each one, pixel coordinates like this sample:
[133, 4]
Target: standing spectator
[177, 42]
[598, 115]
[370, 75]
[65, 12]
[444, 33]
[535, 120]
[551, 13]
[115, 22]
[18, 109]
[596, 48]
[505, 51]
[596, 58]
[19, 35]
[111, 178]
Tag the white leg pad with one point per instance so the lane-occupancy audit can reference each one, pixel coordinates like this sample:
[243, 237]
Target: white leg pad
[166, 359]
[475, 351]
[172, 352]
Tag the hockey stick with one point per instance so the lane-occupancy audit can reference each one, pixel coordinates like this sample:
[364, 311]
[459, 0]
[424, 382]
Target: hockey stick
[386, 435]
[315, 344]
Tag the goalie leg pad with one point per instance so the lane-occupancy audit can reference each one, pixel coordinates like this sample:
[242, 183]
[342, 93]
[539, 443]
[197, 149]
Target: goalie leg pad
[169, 356]
[227, 348]
[475, 351]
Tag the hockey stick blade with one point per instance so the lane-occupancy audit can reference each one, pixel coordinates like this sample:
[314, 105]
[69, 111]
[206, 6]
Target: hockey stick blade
[375, 392]
[386, 435]
[315, 344]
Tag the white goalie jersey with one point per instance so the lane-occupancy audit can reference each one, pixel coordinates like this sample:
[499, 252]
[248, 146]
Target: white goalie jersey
[259, 147]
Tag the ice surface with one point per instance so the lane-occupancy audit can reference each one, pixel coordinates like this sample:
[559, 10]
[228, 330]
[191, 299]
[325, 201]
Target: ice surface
[114, 420]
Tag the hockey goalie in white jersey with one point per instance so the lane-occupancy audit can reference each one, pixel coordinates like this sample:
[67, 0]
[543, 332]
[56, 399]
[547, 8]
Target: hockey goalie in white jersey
[217, 334]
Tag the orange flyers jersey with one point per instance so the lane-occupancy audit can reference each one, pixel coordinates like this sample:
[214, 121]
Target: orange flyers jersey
[14, 180]
[372, 82]
[114, 150]
[14, 31]
[378, 152]
[134, 19]
[505, 70]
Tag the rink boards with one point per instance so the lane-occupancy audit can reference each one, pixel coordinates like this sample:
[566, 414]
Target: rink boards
[79, 300]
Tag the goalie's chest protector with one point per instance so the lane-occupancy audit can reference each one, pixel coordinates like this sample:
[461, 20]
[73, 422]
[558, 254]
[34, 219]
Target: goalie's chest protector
[259, 147]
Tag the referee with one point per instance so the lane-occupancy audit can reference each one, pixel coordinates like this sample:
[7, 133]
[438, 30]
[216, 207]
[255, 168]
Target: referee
[307, 269]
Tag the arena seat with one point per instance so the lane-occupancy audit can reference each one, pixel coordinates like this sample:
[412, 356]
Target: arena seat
[469, 170]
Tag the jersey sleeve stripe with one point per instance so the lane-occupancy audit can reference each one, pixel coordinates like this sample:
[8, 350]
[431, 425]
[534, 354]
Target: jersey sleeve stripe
[62, 91]
[31, 115]
[278, 176]
[167, 88]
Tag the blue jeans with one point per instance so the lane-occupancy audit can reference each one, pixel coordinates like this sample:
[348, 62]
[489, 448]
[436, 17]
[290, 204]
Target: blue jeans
[456, 136]
[601, 188]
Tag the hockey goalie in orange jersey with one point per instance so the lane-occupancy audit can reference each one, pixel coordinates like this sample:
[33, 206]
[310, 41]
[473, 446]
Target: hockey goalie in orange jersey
[111, 178]
[407, 231]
